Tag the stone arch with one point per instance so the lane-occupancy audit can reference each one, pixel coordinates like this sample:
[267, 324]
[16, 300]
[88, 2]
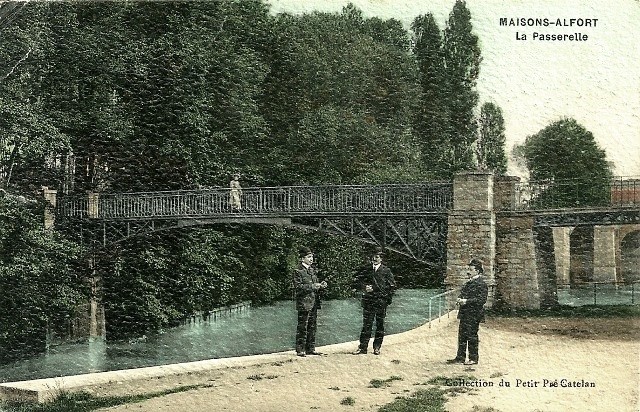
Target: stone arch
[630, 257]
[581, 247]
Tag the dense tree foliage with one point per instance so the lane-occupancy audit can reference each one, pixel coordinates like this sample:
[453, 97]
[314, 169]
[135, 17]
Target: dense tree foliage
[431, 119]
[462, 67]
[573, 170]
[490, 151]
[40, 278]
[339, 99]
[448, 63]
[128, 96]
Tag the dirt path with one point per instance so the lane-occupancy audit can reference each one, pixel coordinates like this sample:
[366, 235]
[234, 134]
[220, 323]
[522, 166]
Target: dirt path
[522, 352]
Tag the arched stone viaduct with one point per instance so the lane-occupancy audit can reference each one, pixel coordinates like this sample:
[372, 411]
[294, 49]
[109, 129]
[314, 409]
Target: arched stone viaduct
[527, 253]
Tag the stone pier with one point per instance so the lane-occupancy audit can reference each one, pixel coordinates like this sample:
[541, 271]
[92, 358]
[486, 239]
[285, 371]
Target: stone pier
[562, 242]
[604, 253]
[471, 229]
[518, 257]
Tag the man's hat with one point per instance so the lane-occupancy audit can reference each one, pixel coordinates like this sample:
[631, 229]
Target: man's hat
[304, 251]
[477, 263]
[378, 252]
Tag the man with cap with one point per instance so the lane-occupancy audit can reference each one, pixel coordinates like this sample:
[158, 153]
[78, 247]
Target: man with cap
[471, 300]
[307, 289]
[377, 285]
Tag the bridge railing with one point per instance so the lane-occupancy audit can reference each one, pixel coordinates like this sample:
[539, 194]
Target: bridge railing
[577, 193]
[285, 200]
[445, 303]
[599, 293]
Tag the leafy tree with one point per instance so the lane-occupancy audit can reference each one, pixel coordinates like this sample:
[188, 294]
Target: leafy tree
[490, 150]
[175, 95]
[28, 134]
[431, 115]
[462, 66]
[349, 76]
[567, 160]
[40, 279]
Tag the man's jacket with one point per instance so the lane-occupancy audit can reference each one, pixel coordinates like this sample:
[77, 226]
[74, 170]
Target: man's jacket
[475, 291]
[303, 281]
[381, 280]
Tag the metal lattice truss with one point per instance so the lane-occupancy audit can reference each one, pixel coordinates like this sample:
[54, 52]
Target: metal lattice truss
[421, 238]
[106, 233]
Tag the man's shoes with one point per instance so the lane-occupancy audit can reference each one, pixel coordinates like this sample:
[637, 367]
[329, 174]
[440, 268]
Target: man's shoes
[455, 360]
[301, 354]
[376, 351]
[314, 353]
[471, 362]
[360, 352]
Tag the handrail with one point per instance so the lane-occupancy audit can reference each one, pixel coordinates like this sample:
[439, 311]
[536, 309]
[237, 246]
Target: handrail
[619, 191]
[602, 293]
[285, 200]
[439, 297]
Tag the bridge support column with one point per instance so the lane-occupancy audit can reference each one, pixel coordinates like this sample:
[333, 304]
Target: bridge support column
[471, 229]
[517, 275]
[562, 250]
[97, 324]
[49, 212]
[604, 254]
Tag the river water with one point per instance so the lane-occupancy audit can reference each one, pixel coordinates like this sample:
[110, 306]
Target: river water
[264, 329]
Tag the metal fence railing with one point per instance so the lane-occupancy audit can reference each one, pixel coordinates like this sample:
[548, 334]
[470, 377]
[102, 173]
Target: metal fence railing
[290, 200]
[599, 293]
[578, 193]
[445, 303]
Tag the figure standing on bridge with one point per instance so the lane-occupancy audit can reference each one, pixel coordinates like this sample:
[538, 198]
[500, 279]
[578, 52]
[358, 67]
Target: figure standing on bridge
[473, 296]
[377, 285]
[307, 289]
[235, 193]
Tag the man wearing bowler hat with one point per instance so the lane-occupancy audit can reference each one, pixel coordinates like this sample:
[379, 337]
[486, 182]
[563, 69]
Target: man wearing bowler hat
[377, 285]
[473, 296]
[307, 289]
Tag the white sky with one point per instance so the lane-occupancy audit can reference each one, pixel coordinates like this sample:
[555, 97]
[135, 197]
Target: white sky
[596, 82]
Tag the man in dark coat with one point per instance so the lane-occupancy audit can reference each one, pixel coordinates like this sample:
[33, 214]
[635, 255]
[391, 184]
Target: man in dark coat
[473, 296]
[377, 285]
[307, 289]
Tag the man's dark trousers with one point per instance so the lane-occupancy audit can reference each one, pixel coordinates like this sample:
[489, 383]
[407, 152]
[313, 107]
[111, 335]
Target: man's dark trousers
[468, 333]
[306, 330]
[375, 309]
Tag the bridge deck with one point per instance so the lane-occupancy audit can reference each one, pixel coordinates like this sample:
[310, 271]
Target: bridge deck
[288, 201]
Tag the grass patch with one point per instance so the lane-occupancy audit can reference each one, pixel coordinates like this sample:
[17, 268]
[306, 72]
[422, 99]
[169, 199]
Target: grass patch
[564, 311]
[85, 402]
[281, 363]
[424, 400]
[257, 377]
[348, 401]
[379, 383]
[431, 399]
[261, 376]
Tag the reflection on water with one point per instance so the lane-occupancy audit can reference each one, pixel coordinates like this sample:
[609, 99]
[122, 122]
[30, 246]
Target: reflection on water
[257, 330]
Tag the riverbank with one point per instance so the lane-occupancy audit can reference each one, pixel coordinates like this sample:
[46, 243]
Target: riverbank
[261, 329]
[595, 364]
